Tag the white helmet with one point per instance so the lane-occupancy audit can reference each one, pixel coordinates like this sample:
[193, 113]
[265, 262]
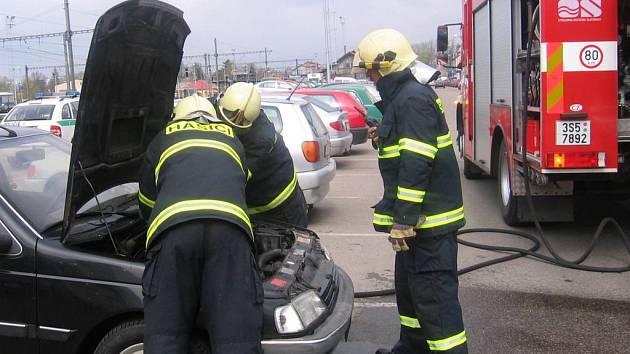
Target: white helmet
[385, 50]
[193, 107]
[240, 105]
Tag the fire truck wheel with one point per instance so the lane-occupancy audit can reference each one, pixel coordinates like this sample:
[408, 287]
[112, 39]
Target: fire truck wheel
[509, 203]
[470, 170]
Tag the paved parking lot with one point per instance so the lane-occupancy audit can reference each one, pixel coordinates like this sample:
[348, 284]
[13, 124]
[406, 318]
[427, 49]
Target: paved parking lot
[525, 306]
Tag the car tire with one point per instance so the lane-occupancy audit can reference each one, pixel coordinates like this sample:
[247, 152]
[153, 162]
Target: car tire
[470, 170]
[127, 338]
[509, 203]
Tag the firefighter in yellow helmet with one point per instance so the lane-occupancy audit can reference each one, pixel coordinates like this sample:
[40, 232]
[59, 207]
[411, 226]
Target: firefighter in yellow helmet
[422, 207]
[273, 192]
[200, 238]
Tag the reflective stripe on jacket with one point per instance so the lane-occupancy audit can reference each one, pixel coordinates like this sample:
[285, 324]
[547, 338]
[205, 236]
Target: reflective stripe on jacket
[193, 171]
[416, 160]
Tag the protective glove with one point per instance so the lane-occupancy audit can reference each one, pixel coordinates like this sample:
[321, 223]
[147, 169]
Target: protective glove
[399, 235]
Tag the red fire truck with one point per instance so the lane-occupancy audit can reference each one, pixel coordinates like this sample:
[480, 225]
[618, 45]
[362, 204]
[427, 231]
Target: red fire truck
[572, 100]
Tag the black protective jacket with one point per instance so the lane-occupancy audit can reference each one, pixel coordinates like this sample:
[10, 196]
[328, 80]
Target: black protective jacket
[273, 183]
[416, 159]
[193, 171]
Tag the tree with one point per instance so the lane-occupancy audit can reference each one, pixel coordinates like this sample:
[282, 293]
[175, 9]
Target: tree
[425, 51]
[5, 84]
[54, 80]
[228, 67]
[37, 82]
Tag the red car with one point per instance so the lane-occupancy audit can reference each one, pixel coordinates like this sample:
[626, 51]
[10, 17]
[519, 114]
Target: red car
[357, 114]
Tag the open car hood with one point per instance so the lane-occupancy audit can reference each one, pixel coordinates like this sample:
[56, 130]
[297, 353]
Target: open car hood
[126, 99]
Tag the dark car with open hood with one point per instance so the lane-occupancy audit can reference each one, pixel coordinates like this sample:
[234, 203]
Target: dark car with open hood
[71, 235]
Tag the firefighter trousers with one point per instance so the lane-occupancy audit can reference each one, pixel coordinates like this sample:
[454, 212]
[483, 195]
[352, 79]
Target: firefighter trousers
[427, 297]
[293, 211]
[202, 274]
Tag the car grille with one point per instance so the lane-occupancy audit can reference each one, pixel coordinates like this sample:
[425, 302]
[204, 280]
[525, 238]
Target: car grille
[329, 294]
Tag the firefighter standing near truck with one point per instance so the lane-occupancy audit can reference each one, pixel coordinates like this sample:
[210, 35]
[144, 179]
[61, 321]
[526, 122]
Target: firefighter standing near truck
[422, 204]
[273, 192]
[199, 240]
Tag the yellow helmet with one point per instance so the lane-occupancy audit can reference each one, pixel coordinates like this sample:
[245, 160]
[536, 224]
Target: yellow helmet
[240, 105]
[193, 107]
[385, 50]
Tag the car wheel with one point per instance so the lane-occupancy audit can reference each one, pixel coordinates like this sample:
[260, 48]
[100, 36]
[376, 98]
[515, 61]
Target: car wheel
[509, 202]
[127, 338]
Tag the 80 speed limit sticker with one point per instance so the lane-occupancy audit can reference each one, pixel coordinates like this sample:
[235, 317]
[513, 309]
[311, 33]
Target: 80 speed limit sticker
[591, 56]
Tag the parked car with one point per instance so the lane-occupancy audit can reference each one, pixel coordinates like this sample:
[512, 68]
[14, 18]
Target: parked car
[57, 115]
[71, 265]
[336, 121]
[364, 94]
[343, 80]
[5, 107]
[268, 86]
[348, 103]
[307, 139]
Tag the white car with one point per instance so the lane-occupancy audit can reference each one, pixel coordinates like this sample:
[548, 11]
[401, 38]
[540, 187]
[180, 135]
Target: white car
[308, 141]
[57, 115]
[270, 86]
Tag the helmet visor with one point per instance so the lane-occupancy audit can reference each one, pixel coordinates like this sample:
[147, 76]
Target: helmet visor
[237, 117]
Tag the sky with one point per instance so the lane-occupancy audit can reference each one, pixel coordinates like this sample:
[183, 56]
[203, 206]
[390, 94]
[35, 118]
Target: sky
[289, 28]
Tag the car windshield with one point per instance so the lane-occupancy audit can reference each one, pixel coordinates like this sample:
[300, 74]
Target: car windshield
[34, 176]
[30, 112]
[314, 120]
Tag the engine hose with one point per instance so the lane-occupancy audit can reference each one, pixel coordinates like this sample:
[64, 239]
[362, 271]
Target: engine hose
[555, 258]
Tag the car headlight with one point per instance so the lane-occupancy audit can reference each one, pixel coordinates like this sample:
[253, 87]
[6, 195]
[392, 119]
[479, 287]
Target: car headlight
[303, 310]
[325, 251]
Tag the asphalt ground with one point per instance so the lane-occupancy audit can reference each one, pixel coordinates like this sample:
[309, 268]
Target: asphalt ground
[524, 306]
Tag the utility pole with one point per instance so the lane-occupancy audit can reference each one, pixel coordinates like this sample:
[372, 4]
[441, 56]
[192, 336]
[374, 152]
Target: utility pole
[297, 68]
[266, 64]
[10, 22]
[69, 44]
[216, 63]
[326, 40]
[343, 34]
[28, 94]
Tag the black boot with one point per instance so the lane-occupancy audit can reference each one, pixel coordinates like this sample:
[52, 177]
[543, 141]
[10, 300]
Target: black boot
[384, 351]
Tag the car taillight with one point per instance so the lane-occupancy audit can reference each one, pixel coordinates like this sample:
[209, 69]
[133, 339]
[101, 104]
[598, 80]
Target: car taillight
[576, 159]
[56, 130]
[311, 151]
[337, 126]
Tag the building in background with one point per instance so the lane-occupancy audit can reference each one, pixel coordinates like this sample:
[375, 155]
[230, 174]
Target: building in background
[63, 87]
[200, 87]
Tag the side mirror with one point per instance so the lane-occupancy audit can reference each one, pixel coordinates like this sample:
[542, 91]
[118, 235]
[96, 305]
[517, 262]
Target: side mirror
[6, 241]
[442, 38]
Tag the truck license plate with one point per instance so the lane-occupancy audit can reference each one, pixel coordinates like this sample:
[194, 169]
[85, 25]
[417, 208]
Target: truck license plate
[573, 132]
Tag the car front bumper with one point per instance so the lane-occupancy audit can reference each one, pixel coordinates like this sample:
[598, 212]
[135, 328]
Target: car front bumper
[359, 135]
[316, 184]
[340, 145]
[328, 334]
